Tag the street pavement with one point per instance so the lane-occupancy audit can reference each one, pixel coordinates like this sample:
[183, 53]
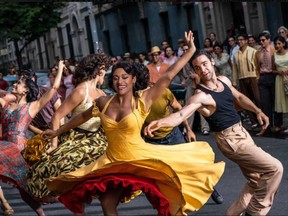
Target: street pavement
[229, 186]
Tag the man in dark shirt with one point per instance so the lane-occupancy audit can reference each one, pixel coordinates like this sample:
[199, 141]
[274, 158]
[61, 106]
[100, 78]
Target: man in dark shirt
[214, 100]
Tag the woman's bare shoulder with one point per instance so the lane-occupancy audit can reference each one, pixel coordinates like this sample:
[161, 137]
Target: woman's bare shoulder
[102, 101]
[79, 90]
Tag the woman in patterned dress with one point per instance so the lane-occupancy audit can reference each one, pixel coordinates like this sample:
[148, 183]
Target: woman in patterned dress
[79, 146]
[17, 116]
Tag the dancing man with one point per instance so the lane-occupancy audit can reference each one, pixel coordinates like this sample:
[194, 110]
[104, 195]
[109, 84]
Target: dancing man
[214, 100]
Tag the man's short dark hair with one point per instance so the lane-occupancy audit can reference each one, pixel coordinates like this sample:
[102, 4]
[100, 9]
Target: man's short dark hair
[265, 34]
[245, 36]
[212, 33]
[198, 53]
[251, 36]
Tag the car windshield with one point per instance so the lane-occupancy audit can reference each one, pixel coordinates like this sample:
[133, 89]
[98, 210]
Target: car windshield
[42, 78]
[11, 80]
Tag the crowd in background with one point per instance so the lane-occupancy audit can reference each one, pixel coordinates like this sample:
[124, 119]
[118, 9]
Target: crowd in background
[270, 96]
[262, 79]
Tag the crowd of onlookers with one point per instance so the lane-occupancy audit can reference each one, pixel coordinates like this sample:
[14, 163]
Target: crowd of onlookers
[257, 65]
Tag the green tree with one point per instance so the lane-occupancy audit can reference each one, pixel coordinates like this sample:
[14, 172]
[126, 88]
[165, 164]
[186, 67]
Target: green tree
[27, 21]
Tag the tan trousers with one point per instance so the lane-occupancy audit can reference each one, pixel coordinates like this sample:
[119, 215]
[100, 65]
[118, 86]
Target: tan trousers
[263, 172]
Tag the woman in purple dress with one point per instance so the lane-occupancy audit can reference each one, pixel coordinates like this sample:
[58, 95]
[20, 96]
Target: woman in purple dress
[16, 117]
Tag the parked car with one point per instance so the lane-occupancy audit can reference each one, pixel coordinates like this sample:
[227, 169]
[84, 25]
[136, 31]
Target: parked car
[42, 77]
[179, 92]
[11, 80]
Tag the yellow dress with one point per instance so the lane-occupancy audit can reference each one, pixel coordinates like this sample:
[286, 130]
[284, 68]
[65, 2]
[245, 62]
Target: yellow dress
[185, 173]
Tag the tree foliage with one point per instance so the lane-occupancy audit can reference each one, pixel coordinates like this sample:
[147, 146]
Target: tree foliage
[27, 21]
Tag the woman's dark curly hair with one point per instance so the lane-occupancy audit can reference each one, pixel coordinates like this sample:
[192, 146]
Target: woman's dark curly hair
[33, 89]
[135, 69]
[87, 68]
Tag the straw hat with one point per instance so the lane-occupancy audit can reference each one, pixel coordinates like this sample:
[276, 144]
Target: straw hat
[126, 55]
[155, 49]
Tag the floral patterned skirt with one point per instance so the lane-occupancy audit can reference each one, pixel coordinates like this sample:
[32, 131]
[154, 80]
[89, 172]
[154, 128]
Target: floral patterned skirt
[77, 148]
[13, 168]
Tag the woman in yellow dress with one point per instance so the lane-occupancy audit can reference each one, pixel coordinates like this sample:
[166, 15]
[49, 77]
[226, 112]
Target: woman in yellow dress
[176, 179]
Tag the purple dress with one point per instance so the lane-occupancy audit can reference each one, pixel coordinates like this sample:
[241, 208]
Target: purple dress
[13, 168]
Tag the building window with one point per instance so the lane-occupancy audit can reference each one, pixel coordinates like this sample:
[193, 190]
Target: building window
[107, 39]
[61, 43]
[89, 34]
[125, 39]
[165, 21]
[40, 54]
[284, 6]
[46, 51]
[189, 9]
[238, 15]
[145, 25]
[70, 43]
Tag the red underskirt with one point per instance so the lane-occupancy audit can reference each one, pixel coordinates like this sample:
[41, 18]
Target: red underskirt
[86, 190]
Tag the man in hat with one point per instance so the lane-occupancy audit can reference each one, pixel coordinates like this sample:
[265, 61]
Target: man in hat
[127, 57]
[157, 67]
